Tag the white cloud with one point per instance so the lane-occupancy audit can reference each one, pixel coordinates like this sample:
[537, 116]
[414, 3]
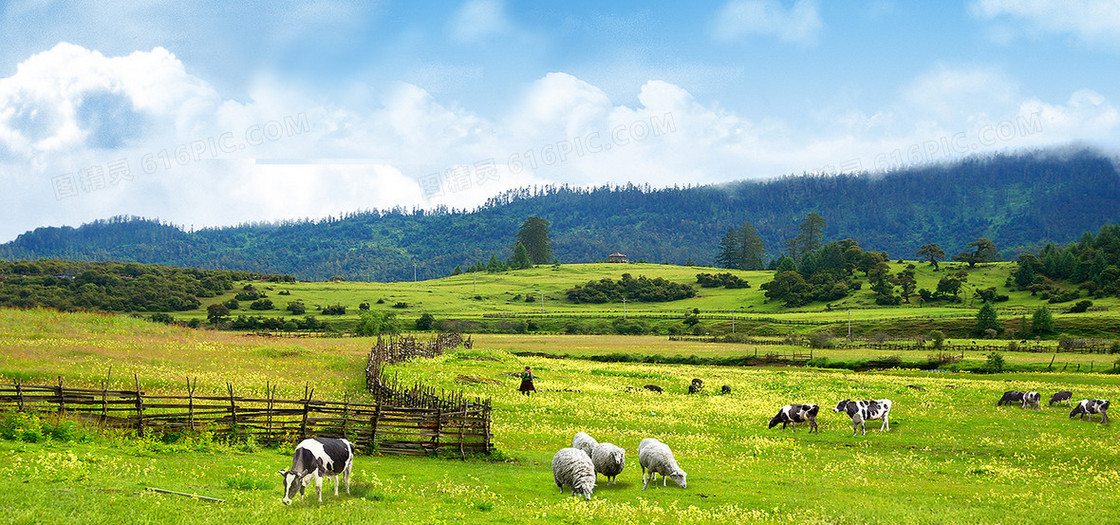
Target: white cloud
[957, 92]
[800, 24]
[199, 159]
[478, 20]
[1096, 22]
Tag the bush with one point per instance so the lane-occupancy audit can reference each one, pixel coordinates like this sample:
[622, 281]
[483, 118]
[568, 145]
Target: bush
[1081, 306]
[297, 308]
[261, 304]
[161, 317]
[363, 306]
[334, 309]
[400, 304]
[375, 323]
[938, 338]
[425, 322]
[1114, 348]
[995, 363]
[232, 304]
[1012, 346]
[820, 340]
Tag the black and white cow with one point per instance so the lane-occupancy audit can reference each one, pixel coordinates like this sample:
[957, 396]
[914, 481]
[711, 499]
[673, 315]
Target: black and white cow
[861, 411]
[794, 414]
[1090, 407]
[1032, 399]
[1011, 396]
[1059, 397]
[315, 458]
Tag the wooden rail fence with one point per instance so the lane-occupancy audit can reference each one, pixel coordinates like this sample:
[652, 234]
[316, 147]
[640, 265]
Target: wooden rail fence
[403, 420]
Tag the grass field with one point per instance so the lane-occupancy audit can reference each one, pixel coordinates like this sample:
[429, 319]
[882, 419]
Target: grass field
[473, 296]
[951, 456]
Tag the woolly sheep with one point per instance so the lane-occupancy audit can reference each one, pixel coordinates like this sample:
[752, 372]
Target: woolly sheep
[609, 460]
[645, 443]
[584, 442]
[658, 459]
[572, 467]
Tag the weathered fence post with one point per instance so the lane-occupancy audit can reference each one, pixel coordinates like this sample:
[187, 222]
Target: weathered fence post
[307, 392]
[270, 391]
[105, 396]
[232, 410]
[190, 402]
[61, 396]
[19, 392]
[139, 407]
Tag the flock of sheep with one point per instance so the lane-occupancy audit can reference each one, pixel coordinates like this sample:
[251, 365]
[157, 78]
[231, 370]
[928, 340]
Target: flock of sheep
[578, 466]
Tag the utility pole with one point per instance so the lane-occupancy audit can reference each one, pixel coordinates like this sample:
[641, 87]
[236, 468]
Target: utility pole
[732, 323]
[849, 323]
[474, 286]
[624, 308]
[414, 272]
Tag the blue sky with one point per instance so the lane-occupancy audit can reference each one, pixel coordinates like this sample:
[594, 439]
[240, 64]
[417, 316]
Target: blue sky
[213, 113]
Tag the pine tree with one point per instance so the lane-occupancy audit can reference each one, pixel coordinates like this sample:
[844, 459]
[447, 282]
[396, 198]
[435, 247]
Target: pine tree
[520, 258]
[1042, 322]
[810, 238]
[534, 235]
[741, 249]
[986, 319]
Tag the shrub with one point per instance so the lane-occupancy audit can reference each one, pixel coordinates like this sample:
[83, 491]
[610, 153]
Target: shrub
[1081, 306]
[261, 304]
[400, 304]
[297, 308]
[820, 340]
[938, 338]
[425, 321]
[161, 317]
[995, 363]
[334, 309]
[232, 304]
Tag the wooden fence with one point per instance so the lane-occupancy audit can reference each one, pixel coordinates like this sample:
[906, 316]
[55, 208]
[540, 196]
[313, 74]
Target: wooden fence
[403, 420]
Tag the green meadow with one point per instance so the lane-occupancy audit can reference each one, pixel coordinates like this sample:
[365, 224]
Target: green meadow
[951, 456]
[539, 294]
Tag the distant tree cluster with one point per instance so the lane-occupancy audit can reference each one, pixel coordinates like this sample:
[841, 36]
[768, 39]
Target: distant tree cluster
[532, 246]
[741, 249]
[725, 280]
[642, 289]
[828, 274]
[256, 322]
[1092, 263]
[111, 287]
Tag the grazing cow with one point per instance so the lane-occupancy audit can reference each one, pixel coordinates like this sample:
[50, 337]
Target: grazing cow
[1088, 407]
[861, 411]
[794, 414]
[315, 458]
[653, 388]
[1011, 396]
[726, 389]
[1032, 399]
[1062, 396]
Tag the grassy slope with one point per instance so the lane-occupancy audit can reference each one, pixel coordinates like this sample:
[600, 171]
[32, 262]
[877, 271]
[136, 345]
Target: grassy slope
[470, 296]
[950, 457]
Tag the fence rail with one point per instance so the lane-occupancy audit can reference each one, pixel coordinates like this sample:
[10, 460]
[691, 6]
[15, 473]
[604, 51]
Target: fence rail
[402, 420]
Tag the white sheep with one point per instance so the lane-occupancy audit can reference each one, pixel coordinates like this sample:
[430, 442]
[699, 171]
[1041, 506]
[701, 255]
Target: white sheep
[584, 442]
[645, 443]
[656, 457]
[609, 460]
[572, 467]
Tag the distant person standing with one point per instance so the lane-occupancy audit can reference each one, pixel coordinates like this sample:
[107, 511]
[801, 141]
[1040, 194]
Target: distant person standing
[527, 378]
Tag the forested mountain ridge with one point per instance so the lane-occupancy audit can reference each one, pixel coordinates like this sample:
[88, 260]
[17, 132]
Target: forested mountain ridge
[1017, 201]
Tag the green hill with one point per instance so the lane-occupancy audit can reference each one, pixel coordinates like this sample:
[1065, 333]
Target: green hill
[1019, 202]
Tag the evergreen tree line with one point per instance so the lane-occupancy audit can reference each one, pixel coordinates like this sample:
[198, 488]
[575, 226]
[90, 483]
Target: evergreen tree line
[114, 287]
[1019, 202]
